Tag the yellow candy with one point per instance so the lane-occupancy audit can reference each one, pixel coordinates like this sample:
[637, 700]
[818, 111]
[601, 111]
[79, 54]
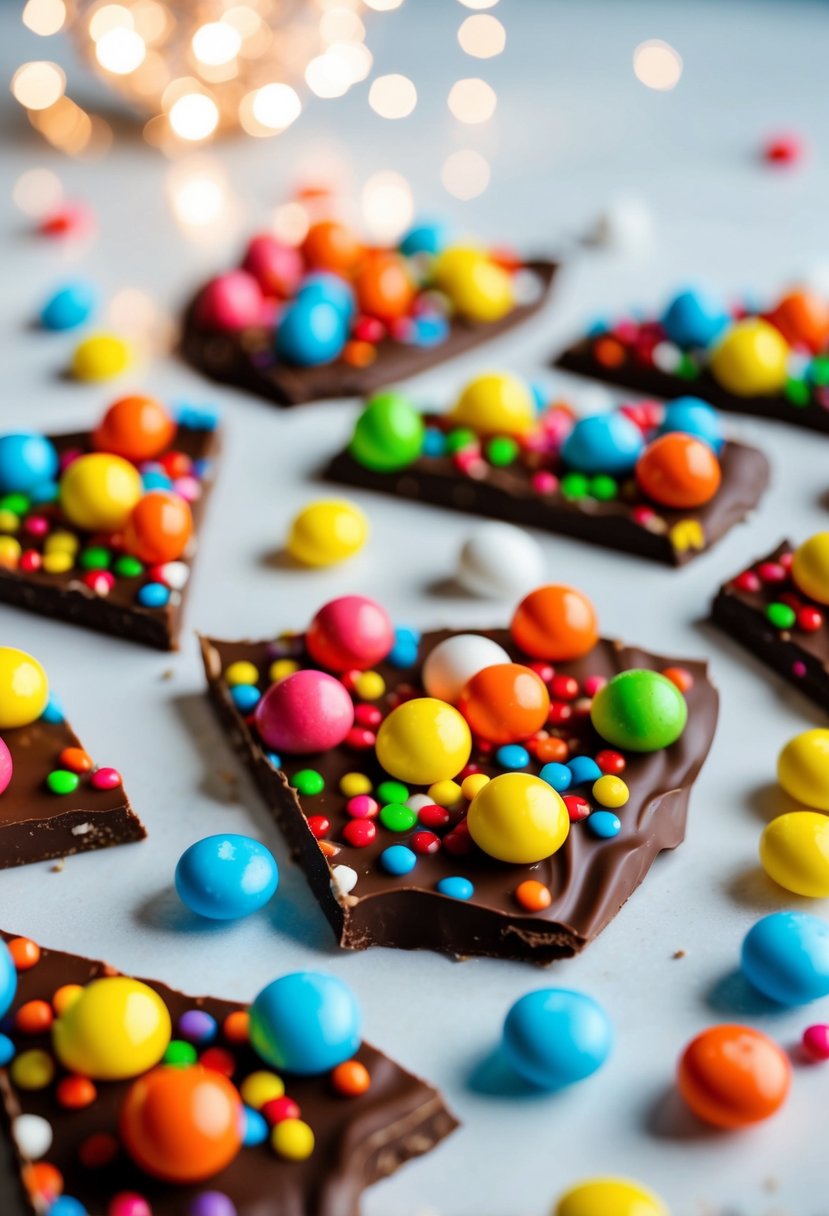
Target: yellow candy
[327, 532]
[518, 818]
[241, 672]
[10, 551]
[261, 1087]
[610, 791]
[751, 360]
[58, 563]
[803, 768]
[24, 688]
[495, 404]
[9, 521]
[479, 289]
[610, 1197]
[99, 491]
[117, 1028]
[369, 685]
[353, 784]
[794, 852]
[423, 741]
[445, 793]
[473, 784]
[293, 1139]
[66, 996]
[62, 542]
[280, 668]
[810, 567]
[101, 357]
[33, 1070]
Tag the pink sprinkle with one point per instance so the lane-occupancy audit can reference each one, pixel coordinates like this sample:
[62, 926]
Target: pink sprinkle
[626, 331]
[544, 482]
[362, 806]
[105, 779]
[37, 525]
[643, 516]
[369, 329]
[771, 572]
[188, 488]
[127, 1203]
[816, 1041]
[799, 669]
[747, 581]
[592, 684]
[368, 715]
[786, 560]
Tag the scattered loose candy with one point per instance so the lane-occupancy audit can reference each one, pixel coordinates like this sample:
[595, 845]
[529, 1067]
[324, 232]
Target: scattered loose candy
[610, 1197]
[101, 357]
[639, 710]
[498, 560]
[69, 306]
[518, 818]
[305, 1023]
[8, 979]
[327, 532]
[803, 768]
[555, 1037]
[794, 852]
[478, 288]
[733, 1076]
[786, 957]
[227, 876]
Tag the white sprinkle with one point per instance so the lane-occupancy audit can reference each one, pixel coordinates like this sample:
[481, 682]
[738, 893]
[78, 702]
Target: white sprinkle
[666, 356]
[416, 802]
[343, 880]
[175, 574]
[82, 829]
[33, 1135]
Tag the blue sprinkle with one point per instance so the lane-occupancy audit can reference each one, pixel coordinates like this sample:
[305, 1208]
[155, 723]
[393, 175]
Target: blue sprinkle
[256, 1128]
[67, 1205]
[434, 442]
[558, 776]
[47, 491]
[398, 860]
[512, 756]
[70, 306]
[604, 824]
[584, 770]
[153, 595]
[273, 759]
[245, 697]
[198, 417]
[53, 713]
[456, 888]
[404, 651]
[429, 330]
[156, 480]
[7, 1050]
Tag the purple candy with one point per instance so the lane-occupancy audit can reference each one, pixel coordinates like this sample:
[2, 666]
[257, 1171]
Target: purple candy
[212, 1203]
[196, 1026]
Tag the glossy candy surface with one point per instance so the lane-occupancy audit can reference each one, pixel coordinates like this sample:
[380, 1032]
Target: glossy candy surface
[504, 703]
[231, 301]
[679, 471]
[350, 632]
[480, 290]
[101, 357]
[803, 768]
[603, 443]
[555, 1037]
[692, 416]
[310, 332]
[227, 876]
[6, 768]
[159, 527]
[518, 818]
[803, 319]
[307, 711]
[495, 404]
[555, 622]
[326, 532]
[27, 460]
[786, 957]
[499, 561]
[454, 661]
[24, 688]
[609, 1197]
[639, 710]
[115, 1028]
[69, 306]
[305, 1023]
[751, 359]
[99, 491]
[694, 318]
[8, 979]
[733, 1076]
[810, 567]
[276, 267]
[137, 428]
[388, 435]
[794, 852]
[383, 286]
[423, 741]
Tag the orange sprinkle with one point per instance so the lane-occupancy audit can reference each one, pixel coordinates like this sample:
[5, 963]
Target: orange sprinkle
[35, 1017]
[76, 1092]
[533, 896]
[359, 354]
[43, 1181]
[551, 750]
[236, 1026]
[351, 1079]
[65, 996]
[608, 352]
[681, 677]
[327, 848]
[98, 1150]
[76, 760]
[25, 953]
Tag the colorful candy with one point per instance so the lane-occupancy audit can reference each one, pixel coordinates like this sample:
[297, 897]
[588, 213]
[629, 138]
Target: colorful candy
[383, 286]
[504, 703]
[810, 567]
[679, 471]
[137, 428]
[751, 360]
[352, 632]
[555, 622]
[794, 852]
[330, 245]
[500, 561]
[423, 741]
[694, 318]
[231, 301]
[226, 877]
[816, 1041]
[327, 532]
[733, 1076]
[70, 306]
[27, 461]
[308, 711]
[803, 768]
[786, 957]
[610, 1197]
[115, 1028]
[159, 527]
[603, 443]
[495, 404]
[639, 710]
[555, 1037]
[692, 416]
[24, 688]
[518, 818]
[276, 267]
[101, 357]
[311, 332]
[8, 979]
[453, 662]
[99, 491]
[803, 319]
[478, 288]
[388, 435]
[305, 1023]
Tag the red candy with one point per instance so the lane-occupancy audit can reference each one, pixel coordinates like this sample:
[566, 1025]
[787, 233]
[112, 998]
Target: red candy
[277, 268]
[678, 470]
[555, 623]
[281, 1108]
[785, 149]
[578, 808]
[137, 428]
[231, 301]
[504, 703]
[433, 816]
[359, 833]
[319, 826]
[159, 528]
[308, 711]
[425, 842]
[810, 620]
[747, 581]
[611, 762]
[352, 631]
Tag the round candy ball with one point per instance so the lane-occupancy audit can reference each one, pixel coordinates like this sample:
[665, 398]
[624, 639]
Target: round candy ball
[99, 491]
[423, 741]
[388, 435]
[6, 768]
[308, 711]
[610, 1197]
[694, 318]
[810, 567]
[555, 622]
[816, 1041]
[327, 532]
[479, 289]
[499, 561]
[454, 661]
[182, 1125]
[383, 286]
[555, 1037]
[8, 979]
[495, 404]
[350, 632]
[425, 236]
[306, 1023]
[232, 302]
[137, 428]
[803, 319]
[311, 332]
[227, 876]
[786, 957]
[330, 245]
[733, 1076]
[505, 703]
[803, 768]
[692, 416]
[603, 443]
[69, 306]
[679, 471]
[27, 460]
[115, 1028]
[101, 357]
[518, 818]
[276, 267]
[159, 528]
[24, 688]
[751, 359]
[639, 710]
[794, 852]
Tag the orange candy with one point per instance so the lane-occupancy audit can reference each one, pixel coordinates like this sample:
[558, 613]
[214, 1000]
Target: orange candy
[351, 1079]
[678, 470]
[733, 1076]
[329, 245]
[34, 1017]
[76, 760]
[383, 287]
[159, 527]
[555, 623]
[64, 996]
[681, 677]
[137, 428]
[43, 1182]
[505, 703]
[803, 319]
[533, 896]
[164, 1128]
[75, 1093]
[25, 953]
[550, 750]
[236, 1026]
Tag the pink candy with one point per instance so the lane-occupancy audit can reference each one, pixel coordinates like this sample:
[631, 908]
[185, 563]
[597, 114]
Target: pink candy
[231, 301]
[277, 268]
[816, 1041]
[105, 779]
[352, 631]
[308, 711]
[6, 766]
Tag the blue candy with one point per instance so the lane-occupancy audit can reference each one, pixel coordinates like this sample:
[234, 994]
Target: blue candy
[557, 775]
[456, 887]
[604, 824]
[603, 443]
[156, 479]
[398, 860]
[584, 770]
[70, 306]
[512, 756]
[694, 417]
[245, 697]
[434, 442]
[694, 318]
[405, 649]
[8, 978]
[555, 1037]
[27, 460]
[427, 236]
[46, 491]
[67, 1205]
[786, 957]
[429, 329]
[225, 877]
[310, 332]
[255, 1129]
[331, 289]
[305, 1023]
[153, 595]
[198, 417]
[7, 1050]
[53, 713]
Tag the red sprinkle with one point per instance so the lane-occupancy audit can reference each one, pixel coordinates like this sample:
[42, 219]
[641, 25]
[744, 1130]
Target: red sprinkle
[99, 581]
[281, 1108]
[577, 807]
[218, 1060]
[786, 149]
[360, 738]
[564, 688]
[809, 619]
[433, 816]
[368, 715]
[772, 572]
[319, 826]
[30, 560]
[559, 713]
[747, 581]
[611, 762]
[425, 842]
[458, 841]
[544, 671]
[359, 833]
[105, 779]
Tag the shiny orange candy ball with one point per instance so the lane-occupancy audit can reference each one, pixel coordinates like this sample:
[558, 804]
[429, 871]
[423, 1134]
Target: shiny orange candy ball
[330, 245]
[733, 1076]
[384, 289]
[159, 527]
[803, 319]
[505, 703]
[182, 1124]
[555, 622]
[678, 470]
[137, 428]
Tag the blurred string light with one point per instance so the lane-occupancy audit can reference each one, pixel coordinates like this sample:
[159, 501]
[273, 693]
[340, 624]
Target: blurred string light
[472, 100]
[482, 36]
[392, 96]
[479, 3]
[387, 206]
[465, 174]
[657, 65]
[44, 17]
[37, 192]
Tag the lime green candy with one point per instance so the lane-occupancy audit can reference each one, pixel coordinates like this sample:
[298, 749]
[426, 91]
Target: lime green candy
[96, 557]
[388, 435]
[61, 781]
[639, 710]
[180, 1054]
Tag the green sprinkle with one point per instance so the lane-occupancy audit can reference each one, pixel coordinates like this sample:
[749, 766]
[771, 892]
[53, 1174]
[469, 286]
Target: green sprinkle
[797, 391]
[502, 450]
[687, 368]
[781, 616]
[308, 781]
[61, 781]
[819, 370]
[391, 791]
[574, 486]
[398, 818]
[604, 487]
[96, 557]
[459, 439]
[180, 1054]
[127, 566]
[17, 503]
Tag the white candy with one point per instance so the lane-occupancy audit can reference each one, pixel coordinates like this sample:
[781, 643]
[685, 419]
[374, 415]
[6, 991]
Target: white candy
[454, 662]
[33, 1136]
[343, 879]
[416, 802]
[175, 574]
[626, 224]
[500, 561]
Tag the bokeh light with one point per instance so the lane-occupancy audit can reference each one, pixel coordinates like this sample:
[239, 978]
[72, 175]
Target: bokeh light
[388, 206]
[328, 75]
[465, 174]
[472, 100]
[110, 17]
[38, 85]
[479, 3]
[277, 106]
[194, 116]
[37, 192]
[383, 6]
[657, 65]
[44, 17]
[392, 96]
[120, 51]
[482, 36]
[199, 194]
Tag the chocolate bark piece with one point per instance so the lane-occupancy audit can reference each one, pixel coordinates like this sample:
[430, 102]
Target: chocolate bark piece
[37, 825]
[630, 522]
[359, 1140]
[628, 372]
[66, 597]
[589, 879]
[800, 656]
[246, 358]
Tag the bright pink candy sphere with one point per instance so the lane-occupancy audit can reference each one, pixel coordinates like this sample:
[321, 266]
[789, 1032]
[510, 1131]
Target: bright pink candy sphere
[6, 766]
[348, 633]
[277, 268]
[308, 711]
[816, 1041]
[231, 301]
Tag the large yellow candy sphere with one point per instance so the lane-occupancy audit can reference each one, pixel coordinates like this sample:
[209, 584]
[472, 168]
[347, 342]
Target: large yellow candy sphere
[479, 289]
[518, 818]
[99, 491]
[24, 688]
[803, 768]
[423, 741]
[101, 357]
[794, 852]
[495, 404]
[610, 1197]
[116, 1028]
[751, 359]
[327, 532]
[810, 567]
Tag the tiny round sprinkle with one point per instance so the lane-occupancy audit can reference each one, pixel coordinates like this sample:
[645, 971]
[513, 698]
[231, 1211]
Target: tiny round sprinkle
[75, 1093]
[398, 860]
[603, 487]
[574, 486]
[583, 770]
[445, 793]
[456, 887]
[533, 895]
[281, 668]
[212, 1203]
[392, 791]
[557, 775]
[681, 677]
[218, 1060]
[350, 1079]
[255, 1129]
[319, 826]
[128, 566]
[65, 996]
[96, 557]
[781, 616]
[354, 784]
[293, 1139]
[604, 824]
[511, 756]
[7, 1050]
[33, 1070]
[280, 1108]
[370, 685]
[236, 1026]
[433, 816]
[810, 620]
[153, 595]
[397, 817]
[245, 697]
[105, 779]
[425, 842]
[33, 1135]
[180, 1054]
[76, 760]
[34, 1017]
[360, 833]
[197, 1026]
[610, 791]
[501, 451]
[61, 781]
[577, 808]
[261, 1087]
[308, 782]
[362, 806]
[241, 672]
[611, 762]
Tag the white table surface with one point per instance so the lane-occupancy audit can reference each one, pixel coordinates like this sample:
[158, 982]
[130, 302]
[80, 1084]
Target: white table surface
[573, 128]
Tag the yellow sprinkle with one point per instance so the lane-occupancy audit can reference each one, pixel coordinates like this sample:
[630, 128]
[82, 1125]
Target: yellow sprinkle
[293, 1139]
[369, 685]
[58, 562]
[353, 784]
[281, 668]
[62, 542]
[33, 1070]
[473, 784]
[9, 522]
[261, 1087]
[242, 672]
[101, 357]
[445, 793]
[610, 791]
[687, 534]
[9, 552]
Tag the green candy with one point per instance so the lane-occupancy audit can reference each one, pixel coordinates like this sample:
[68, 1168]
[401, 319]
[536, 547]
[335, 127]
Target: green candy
[61, 781]
[502, 450]
[180, 1054]
[392, 791]
[18, 504]
[639, 710]
[96, 557]
[128, 566]
[604, 487]
[781, 616]
[574, 486]
[460, 439]
[308, 782]
[388, 435]
[398, 818]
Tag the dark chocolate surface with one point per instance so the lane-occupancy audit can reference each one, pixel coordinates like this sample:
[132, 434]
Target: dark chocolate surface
[359, 1140]
[245, 358]
[590, 879]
